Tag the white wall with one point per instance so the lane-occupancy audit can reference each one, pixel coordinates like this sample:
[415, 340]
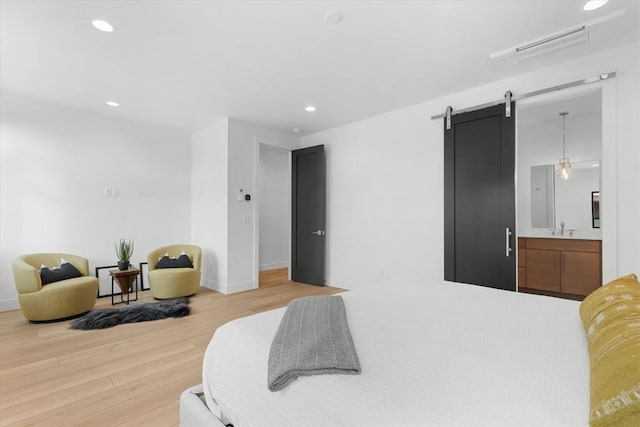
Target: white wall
[384, 184]
[244, 140]
[384, 199]
[385, 177]
[209, 208]
[274, 194]
[55, 164]
[628, 157]
[225, 156]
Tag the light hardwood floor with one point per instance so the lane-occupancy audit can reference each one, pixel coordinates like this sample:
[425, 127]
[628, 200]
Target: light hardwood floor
[129, 375]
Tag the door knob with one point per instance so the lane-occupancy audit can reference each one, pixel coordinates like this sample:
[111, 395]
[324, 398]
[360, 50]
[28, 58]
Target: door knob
[318, 232]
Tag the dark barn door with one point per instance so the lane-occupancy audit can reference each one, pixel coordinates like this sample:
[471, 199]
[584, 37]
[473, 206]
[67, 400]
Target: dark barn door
[479, 212]
[308, 215]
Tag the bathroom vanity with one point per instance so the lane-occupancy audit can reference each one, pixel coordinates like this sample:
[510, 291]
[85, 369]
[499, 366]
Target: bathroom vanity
[564, 267]
[558, 217]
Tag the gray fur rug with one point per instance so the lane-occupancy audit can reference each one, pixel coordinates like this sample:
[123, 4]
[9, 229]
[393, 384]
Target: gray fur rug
[108, 317]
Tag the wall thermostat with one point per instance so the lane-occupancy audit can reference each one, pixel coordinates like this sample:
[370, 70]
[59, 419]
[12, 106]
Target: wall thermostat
[242, 196]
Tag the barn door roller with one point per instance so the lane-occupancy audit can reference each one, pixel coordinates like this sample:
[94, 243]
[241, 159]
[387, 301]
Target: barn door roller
[448, 115]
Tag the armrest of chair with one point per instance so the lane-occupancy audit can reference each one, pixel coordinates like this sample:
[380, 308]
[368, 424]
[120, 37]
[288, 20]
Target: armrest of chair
[197, 260]
[26, 276]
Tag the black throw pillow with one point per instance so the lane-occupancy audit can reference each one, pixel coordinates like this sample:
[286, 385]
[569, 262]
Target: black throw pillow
[182, 261]
[64, 272]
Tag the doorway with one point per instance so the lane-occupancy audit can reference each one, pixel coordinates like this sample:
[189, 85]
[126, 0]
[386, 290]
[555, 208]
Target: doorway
[290, 214]
[567, 127]
[308, 200]
[273, 212]
[586, 105]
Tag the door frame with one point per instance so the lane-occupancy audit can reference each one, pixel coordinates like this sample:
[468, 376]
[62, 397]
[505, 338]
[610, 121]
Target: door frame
[609, 165]
[264, 144]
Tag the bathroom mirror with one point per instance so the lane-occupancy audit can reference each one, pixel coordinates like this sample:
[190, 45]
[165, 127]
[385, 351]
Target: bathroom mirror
[545, 200]
[576, 201]
[543, 196]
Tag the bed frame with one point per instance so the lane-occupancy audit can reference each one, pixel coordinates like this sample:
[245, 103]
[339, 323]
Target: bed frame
[194, 411]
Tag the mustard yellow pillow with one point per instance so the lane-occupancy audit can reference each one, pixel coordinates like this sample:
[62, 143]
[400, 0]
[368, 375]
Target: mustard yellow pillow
[611, 319]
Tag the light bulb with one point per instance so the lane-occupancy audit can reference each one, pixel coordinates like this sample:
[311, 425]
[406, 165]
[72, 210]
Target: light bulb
[594, 4]
[102, 25]
[564, 170]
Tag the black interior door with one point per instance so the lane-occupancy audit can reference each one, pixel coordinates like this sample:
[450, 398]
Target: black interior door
[480, 198]
[308, 215]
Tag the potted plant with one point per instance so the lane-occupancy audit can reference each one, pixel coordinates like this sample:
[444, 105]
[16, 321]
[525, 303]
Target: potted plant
[124, 250]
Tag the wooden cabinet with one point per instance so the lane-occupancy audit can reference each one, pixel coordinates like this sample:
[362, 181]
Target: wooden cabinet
[522, 263]
[543, 269]
[581, 272]
[559, 267]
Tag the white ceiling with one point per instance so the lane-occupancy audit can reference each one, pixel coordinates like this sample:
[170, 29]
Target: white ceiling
[186, 64]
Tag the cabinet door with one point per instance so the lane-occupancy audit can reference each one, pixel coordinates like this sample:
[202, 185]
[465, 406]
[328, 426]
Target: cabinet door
[543, 270]
[522, 263]
[581, 272]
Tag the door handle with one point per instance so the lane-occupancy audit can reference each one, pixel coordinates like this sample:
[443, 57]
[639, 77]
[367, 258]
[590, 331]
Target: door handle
[318, 232]
[507, 241]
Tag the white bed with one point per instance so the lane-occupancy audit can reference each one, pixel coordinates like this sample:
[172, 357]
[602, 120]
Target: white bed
[432, 354]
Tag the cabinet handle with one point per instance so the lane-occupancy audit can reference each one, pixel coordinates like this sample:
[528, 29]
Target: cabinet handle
[507, 241]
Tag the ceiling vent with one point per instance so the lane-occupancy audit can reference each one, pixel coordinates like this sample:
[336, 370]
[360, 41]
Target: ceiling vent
[575, 37]
[572, 37]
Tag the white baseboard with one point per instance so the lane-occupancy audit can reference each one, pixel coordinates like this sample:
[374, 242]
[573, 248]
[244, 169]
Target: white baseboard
[229, 288]
[274, 265]
[239, 287]
[210, 284]
[9, 304]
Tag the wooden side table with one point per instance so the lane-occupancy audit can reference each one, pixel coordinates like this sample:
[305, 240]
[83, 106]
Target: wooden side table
[127, 281]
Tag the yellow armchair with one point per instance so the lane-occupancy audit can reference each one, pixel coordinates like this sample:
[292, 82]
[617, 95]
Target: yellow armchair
[174, 282]
[57, 300]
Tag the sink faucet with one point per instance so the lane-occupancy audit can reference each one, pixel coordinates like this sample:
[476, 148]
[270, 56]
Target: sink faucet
[562, 228]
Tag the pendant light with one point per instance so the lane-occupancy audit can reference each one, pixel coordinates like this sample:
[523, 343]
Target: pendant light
[564, 166]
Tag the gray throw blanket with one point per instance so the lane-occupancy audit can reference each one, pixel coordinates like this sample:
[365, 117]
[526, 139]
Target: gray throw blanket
[313, 338]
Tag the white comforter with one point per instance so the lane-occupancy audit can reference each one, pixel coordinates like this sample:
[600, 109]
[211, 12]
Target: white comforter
[434, 354]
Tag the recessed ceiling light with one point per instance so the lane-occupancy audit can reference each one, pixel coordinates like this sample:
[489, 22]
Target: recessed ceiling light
[112, 104]
[594, 4]
[310, 108]
[332, 17]
[297, 130]
[102, 25]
